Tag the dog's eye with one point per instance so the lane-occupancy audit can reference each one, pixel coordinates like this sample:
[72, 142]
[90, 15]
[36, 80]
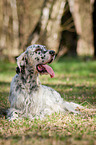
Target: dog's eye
[38, 49]
[44, 51]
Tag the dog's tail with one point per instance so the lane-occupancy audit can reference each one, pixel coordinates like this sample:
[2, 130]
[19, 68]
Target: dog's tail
[72, 107]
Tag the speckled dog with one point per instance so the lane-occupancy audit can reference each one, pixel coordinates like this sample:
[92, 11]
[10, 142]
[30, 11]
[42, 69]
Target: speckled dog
[28, 98]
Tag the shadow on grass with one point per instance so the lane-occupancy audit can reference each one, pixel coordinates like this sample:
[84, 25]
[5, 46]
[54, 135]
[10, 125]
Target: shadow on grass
[4, 84]
[4, 93]
[3, 112]
[78, 94]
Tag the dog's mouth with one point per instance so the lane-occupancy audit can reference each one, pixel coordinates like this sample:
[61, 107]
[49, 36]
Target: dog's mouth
[45, 69]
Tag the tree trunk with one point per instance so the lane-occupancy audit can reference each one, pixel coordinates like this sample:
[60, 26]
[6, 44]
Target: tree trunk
[82, 14]
[53, 28]
[6, 14]
[15, 50]
[9, 36]
[21, 17]
[94, 26]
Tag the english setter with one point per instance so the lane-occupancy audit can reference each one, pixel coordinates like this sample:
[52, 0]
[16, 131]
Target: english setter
[28, 98]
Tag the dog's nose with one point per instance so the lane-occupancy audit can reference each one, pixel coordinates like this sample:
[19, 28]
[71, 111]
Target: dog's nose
[52, 52]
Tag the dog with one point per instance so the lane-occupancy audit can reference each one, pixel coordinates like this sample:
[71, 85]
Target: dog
[28, 98]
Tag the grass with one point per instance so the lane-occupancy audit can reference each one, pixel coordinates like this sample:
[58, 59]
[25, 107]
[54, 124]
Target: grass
[75, 80]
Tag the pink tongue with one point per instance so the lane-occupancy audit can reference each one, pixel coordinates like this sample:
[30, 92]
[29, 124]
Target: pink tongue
[49, 70]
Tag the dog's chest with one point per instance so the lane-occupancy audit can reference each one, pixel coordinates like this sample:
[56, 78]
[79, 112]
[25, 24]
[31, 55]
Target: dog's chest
[33, 101]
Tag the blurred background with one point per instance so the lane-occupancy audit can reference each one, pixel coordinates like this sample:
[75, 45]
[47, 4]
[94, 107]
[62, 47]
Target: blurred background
[66, 26]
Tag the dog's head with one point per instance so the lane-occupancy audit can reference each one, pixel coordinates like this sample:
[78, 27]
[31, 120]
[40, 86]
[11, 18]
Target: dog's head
[36, 56]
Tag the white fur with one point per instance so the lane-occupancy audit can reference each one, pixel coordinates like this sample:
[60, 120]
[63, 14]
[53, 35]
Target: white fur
[37, 102]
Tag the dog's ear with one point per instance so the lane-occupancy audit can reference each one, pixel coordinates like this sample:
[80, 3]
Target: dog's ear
[21, 62]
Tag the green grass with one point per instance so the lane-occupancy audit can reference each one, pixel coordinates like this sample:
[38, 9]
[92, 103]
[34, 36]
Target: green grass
[75, 80]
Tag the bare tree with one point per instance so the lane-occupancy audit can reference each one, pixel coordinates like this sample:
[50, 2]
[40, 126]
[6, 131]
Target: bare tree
[62, 25]
[47, 30]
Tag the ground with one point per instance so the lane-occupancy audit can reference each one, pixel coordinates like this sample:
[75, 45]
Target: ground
[75, 80]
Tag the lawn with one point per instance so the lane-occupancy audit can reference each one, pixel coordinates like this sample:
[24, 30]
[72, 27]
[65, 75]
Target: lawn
[75, 80]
